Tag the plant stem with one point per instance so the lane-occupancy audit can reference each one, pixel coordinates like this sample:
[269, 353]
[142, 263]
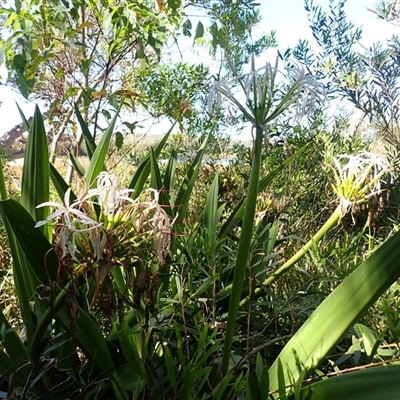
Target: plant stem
[329, 224]
[242, 256]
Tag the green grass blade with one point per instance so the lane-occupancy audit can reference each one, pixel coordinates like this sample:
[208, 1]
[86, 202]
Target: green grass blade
[89, 141]
[338, 313]
[96, 164]
[143, 170]
[36, 173]
[381, 383]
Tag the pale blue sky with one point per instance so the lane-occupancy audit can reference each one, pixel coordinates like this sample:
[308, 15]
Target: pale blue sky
[288, 18]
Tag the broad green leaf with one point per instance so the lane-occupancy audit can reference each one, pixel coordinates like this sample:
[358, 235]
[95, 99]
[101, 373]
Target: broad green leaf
[199, 31]
[338, 313]
[34, 245]
[89, 337]
[97, 162]
[375, 383]
[36, 172]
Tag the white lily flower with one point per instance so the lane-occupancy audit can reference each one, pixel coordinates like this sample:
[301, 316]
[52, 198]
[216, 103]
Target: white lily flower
[70, 214]
[110, 197]
[259, 85]
[359, 177]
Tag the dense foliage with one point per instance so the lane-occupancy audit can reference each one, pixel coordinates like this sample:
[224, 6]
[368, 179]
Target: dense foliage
[208, 270]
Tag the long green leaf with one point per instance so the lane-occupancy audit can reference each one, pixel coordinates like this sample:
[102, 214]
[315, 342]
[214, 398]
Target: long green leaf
[89, 141]
[143, 170]
[338, 312]
[185, 191]
[60, 184]
[96, 164]
[34, 245]
[381, 383]
[169, 176]
[211, 213]
[157, 184]
[36, 172]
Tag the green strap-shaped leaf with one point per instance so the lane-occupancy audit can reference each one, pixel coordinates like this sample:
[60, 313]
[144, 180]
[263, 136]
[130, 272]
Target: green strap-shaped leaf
[36, 173]
[338, 313]
[211, 213]
[156, 183]
[77, 165]
[143, 170]
[89, 141]
[33, 244]
[60, 184]
[169, 177]
[96, 164]
[381, 383]
[182, 200]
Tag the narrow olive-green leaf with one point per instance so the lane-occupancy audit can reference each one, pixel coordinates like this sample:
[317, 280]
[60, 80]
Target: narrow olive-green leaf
[169, 176]
[253, 386]
[185, 191]
[211, 213]
[96, 164]
[169, 364]
[89, 141]
[60, 185]
[77, 165]
[36, 172]
[34, 245]
[237, 214]
[381, 383]
[338, 313]
[24, 119]
[143, 170]
[157, 184]
[186, 392]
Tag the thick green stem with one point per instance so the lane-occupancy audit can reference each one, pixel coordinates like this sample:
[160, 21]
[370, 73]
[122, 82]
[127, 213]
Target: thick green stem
[242, 256]
[329, 224]
[332, 221]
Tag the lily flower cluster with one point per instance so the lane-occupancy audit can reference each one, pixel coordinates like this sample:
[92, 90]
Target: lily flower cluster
[262, 105]
[105, 220]
[358, 177]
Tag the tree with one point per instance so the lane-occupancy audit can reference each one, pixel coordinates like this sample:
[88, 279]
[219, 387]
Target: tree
[368, 79]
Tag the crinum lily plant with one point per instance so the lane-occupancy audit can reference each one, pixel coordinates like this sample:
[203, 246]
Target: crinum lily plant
[357, 178]
[102, 227]
[265, 100]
